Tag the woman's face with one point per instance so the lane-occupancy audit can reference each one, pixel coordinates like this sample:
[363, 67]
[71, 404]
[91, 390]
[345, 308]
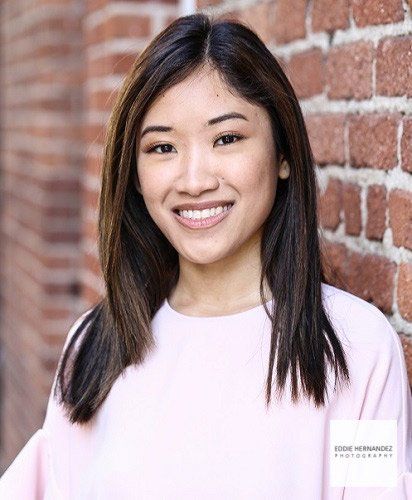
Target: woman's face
[193, 161]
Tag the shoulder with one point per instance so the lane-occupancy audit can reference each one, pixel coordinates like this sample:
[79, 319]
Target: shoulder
[360, 322]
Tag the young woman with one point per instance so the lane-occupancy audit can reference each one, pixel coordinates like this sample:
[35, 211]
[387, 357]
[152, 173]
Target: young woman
[215, 295]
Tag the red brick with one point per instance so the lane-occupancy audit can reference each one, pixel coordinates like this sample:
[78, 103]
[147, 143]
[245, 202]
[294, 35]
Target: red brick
[45, 217]
[259, 18]
[351, 209]
[371, 277]
[119, 26]
[330, 204]
[394, 67]
[92, 263]
[334, 257]
[306, 72]
[367, 12]
[376, 212]
[406, 145]
[373, 140]
[201, 4]
[326, 134]
[400, 217]
[289, 20]
[404, 293]
[102, 100]
[110, 64]
[90, 229]
[122, 26]
[407, 346]
[349, 71]
[330, 16]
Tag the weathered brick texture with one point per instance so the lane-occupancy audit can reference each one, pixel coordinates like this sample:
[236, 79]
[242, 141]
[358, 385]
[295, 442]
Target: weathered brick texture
[376, 212]
[61, 63]
[366, 12]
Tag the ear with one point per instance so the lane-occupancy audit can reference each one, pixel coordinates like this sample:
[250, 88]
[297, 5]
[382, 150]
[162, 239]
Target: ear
[284, 170]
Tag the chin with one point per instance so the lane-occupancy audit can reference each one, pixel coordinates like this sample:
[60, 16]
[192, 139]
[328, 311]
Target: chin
[201, 258]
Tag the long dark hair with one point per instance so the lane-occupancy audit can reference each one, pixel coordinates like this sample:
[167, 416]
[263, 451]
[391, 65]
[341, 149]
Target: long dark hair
[139, 265]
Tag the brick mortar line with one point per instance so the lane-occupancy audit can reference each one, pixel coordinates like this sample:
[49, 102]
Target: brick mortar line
[398, 255]
[39, 67]
[96, 117]
[44, 274]
[126, 45]
[38, 172]
[95, 151]
[88, 277]
[73, 256]
[35, 15]
[42, 197]
[37, 243]
[341, 38]
[110, 82]
[226, 6]
[365, 176]
[37, 40]
[151, 9]
[321, 104]
[397, 321]
[45, 145]
[25, 118]
[34, 91]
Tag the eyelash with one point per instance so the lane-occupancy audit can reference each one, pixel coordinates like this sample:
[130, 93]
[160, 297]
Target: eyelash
[237, 136]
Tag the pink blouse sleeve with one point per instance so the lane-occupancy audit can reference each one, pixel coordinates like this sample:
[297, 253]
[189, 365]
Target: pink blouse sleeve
[30, 476]
[389, 397]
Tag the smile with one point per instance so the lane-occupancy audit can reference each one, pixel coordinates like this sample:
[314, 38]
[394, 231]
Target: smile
[201, 219]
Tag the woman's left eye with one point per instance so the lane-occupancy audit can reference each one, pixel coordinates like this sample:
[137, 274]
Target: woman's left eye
[230, 136]
[237, 136]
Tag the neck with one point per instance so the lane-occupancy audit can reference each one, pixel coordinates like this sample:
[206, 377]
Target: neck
[228, 285]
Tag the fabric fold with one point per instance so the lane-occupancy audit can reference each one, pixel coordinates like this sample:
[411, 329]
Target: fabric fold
[30, 476]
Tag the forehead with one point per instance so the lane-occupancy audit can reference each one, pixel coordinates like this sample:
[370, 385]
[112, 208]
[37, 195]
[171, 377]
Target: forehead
[201, 96]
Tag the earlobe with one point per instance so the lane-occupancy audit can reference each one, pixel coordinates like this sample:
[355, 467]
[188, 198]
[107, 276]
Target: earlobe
[284, 170]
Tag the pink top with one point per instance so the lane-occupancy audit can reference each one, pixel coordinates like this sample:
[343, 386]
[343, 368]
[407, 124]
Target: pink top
[191, 422]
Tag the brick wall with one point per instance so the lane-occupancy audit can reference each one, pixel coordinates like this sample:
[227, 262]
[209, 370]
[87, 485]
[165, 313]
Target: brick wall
[61, 63]
[41, 160]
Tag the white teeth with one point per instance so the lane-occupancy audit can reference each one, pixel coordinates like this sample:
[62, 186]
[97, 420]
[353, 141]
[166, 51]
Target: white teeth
[203, 214]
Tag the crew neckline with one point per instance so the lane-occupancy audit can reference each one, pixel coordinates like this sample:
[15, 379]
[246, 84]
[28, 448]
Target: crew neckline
[221, 317]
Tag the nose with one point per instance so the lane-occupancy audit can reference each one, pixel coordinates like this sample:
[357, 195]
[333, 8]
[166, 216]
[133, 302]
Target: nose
[196, 173]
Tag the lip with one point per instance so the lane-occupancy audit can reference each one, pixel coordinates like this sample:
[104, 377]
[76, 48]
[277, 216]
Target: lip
[202, 223]
[203, 205]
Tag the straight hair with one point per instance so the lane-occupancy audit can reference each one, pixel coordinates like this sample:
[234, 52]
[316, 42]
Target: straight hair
[140, 267]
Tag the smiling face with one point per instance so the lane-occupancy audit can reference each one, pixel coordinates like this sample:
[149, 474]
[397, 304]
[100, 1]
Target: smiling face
[226, 160]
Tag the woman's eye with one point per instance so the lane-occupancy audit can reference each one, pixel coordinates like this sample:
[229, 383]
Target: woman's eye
[158, 146]
[225, 136]
[231, 136]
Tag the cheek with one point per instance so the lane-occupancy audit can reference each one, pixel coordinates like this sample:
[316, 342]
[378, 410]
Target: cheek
[259, 180]
[152, 185]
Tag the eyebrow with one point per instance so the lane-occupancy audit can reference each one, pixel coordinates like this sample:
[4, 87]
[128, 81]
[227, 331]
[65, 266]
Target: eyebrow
[212, 121]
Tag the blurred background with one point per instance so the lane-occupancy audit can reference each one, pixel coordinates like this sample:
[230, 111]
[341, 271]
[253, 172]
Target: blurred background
[62, 61]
